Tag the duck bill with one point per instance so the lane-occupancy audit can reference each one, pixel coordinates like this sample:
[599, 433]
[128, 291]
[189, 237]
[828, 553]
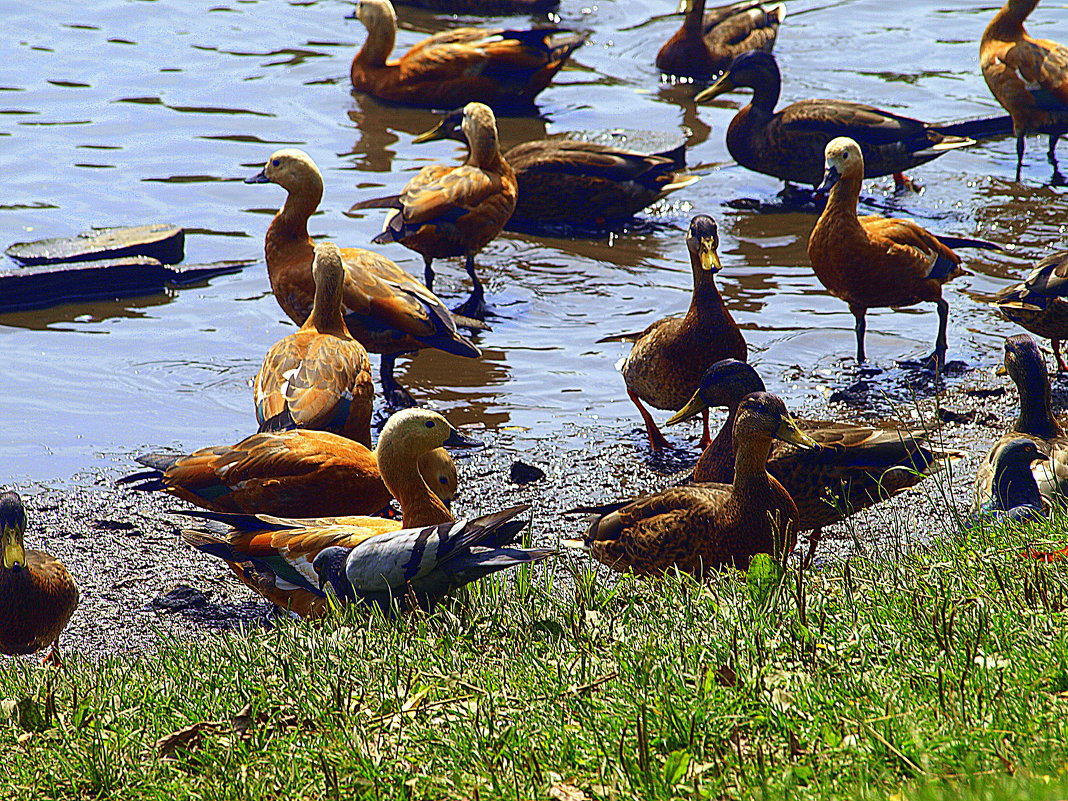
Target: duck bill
[458, 440]
[440, 132]
[789, 432]
[709, 258]
[692, 408]
[830, 178]
[685, 7]
[259, 178]
[14, 552]
[1039, 458]
[720, 87]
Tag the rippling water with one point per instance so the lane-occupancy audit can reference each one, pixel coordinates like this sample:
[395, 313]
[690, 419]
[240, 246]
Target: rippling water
[132, 112]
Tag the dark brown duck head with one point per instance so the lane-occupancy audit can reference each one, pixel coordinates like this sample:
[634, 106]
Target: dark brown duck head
[755, 70]
[725, 383]
[450, 127]
[702, 240]
[1025, 367]
[12, 530]
[763, 416]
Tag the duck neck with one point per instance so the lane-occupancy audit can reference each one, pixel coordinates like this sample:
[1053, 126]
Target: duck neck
[717, 461]
[844, 196]
[1008, 22]
[706, 305]
[695, 18]
[751, 461]
[326, 314]
[766, 92]
[381, 36]
[400, 473]
[301, 202]
[1036, 415]
[1015, 485]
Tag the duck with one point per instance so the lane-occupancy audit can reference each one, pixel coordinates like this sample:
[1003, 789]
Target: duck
[1040, 303]
[485, 6]
[569, 182]
[853, 466]
[875, 261]
[669, 357]
[1014, 491]
[707, 43]
[789, 144]
[496, 66]
[37, 594]
[1028, 77]
[309, 473]
[312, 565]
[320, 376]
[699, 528]
[1036, 422]
[455, 211]
[386, 309]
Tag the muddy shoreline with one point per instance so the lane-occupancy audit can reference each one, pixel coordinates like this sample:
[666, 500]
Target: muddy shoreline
[140, 584]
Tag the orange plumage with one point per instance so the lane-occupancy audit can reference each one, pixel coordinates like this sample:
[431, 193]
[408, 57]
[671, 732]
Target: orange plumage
[488, 65]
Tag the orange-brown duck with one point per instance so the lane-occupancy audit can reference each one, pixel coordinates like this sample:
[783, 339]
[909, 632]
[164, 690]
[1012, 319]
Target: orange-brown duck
[386, 309]
[575, 183]
[789, 144]
[1036, 422]
[1040, 303]
[873, 261]
[495, 66]
[319, 377]
[302, 473]
[37, 594]
[707, 42]
[853, 467]
[668, 359]
[485, 6]
[455, 211]
[1028, 76]
[699, 528]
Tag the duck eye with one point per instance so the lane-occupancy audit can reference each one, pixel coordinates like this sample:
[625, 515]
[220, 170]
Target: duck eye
[275, 162]
[429, 423]
[443, 480]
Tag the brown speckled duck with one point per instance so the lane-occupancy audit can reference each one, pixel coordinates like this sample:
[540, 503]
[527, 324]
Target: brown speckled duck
[699, 528]
[707, 42]
[854, 467]
[455, 211]
[1040, 303]
[37, 594]
[320, 376]
[1025, 367]
[668, 359]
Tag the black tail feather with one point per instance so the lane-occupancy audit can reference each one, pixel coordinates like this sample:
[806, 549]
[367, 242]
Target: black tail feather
[977, 127]
[968, 242]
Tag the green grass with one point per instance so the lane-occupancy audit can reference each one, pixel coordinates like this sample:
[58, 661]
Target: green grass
[939, 674]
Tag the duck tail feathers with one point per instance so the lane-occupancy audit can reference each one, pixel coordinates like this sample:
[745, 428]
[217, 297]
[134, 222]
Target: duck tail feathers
[968, 242]
[977, 127]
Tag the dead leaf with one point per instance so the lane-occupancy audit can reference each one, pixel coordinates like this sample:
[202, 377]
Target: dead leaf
[186, 739]
[566, 792]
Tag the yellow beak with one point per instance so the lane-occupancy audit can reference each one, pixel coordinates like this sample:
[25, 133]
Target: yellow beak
[720, 87]
[430, 136]
[788, 431]
[709, 258]
[685, 6]
[14, 552]
[693, 407]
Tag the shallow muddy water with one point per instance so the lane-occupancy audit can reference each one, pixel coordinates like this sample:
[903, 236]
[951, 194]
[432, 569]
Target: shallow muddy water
[118, 113]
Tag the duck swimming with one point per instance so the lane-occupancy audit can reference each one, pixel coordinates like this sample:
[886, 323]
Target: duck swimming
[707, 42]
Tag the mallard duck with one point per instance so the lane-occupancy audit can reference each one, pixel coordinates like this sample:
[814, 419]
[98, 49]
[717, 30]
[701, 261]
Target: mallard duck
[1023, 362]
[319, 377]
[874, 261]
[496, 66]
[570, 182]
[1040, 303]
[706, 43]
[701, 527]
[853, 467]
[455, 211]
[668, 359]
[307, 473]
[317, 559]
[789, 144]
[1014, 491]
[37, 594]
[1029, 77]
[386, 310]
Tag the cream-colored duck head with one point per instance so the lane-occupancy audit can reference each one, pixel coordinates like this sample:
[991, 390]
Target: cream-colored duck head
[380, 20]
[291, 169]
[413, 432]
[841, 157]
[480, 129]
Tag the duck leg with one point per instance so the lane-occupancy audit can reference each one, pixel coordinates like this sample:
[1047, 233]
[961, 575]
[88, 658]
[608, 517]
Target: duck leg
[1057, 179]
[52, 657]
[397, 397]
[941, 342]
[1019, 155]
[474, 306]
[903, 182]
[861, 328]
[657, 441]
[1061, 366]
[428, 272]
[706, 435]
[810, 553]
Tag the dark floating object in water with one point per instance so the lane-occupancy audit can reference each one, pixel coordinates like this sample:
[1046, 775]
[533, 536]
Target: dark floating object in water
[523, 473]
[45, 285]
[164, 243]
